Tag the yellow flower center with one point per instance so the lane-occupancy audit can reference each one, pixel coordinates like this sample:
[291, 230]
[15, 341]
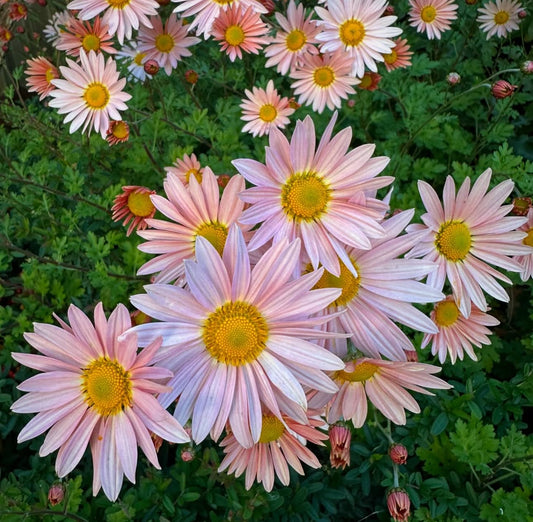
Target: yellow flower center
[346, 281]
[118, 4]
[235, 333]
[215, 232]
[352, 32]
[361, 372]
[453, 240]
[391, 57]
[50, 74]
[106, 386]
[193, 172]
[139, 57]
[223, 2]
[446, 313]
[140, 204]
[366, 81]
[305, 196]
[428, 14]
[234, 35]
[91, 42]
[121, 131]
[164, 43]
[295, 40]
[501, 17]
[528, 240]
[96, 95]
[268, 112]
[271, 430]
[324, 76]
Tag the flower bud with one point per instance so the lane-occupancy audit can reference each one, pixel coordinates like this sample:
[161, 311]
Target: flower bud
[453, 78]
[351, 103]
[56, 494]
[187, 454]
[522, 13]
[191, 76]
[151, 67]
[293, 104]
[398, 453]
[521, 206]
[527, 67]
[502, 89]
[222, 180]
[471, 2]
[399, 505]
[412, 355]
[389, 10]
[340, 437]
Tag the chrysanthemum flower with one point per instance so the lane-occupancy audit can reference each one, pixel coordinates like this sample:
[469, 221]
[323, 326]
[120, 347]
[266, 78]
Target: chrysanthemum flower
[399, 505]
[239, 338]
[400, 55]
[186, 167]
[499, 17]
[83, 35]
[369, 81]
[526, 260]
[95, 389]
[432, 17]
[239, 30]
[340, 437]
[121, 16]
[136, 61]
[359, 28]
[279, 444]
[324, 80]
[194, 210]
[264, 109]
[464, 234]
[5, 35]
[52, 31]
[166, 45]
[18, 11]
[90, 94]
[296, 38]
[118, 132]
[40, 73]
[456, 333]
[318, 196]
[134, 204]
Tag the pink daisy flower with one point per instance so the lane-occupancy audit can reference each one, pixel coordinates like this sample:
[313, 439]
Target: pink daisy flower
[90, 94]
[295, 39]
[40, 73]
[264, 109]
[95, 389]
[239, 339]
[135, 60]
[456, 333]
[432, 17]
[82, 35]
[526, 260]
[318, 196]
[466, 233]
[53, 30]
[133, 204]
[499, 17]
[239, 30]
[324, 80]
[279, 444]
[186, 167]
[120, 16]
[166, 45]
[359, 28]
[400, 55]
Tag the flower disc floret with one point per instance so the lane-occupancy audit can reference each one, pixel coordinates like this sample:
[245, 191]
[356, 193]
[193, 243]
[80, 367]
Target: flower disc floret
[215, 232]
[453, 240]
[352, 33]
[346, 281]
[295, 40]
[361, 373]
[271, 430]
[305, 196]
[446, 313]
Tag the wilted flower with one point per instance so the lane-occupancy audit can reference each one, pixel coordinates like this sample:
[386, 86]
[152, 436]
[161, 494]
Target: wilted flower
[399, 505]
[502, 89]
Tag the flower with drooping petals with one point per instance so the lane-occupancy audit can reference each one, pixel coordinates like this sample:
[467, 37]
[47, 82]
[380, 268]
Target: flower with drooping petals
[399, 505]
[118, 132]
[136, 61]
[358, 28]
[40, 73]
[369, 81]
[501, 89]
[84, 35]
[340, 437]
[239, 31]
[526, 260]
[296, 38]
[95, 389]
[238, 338]
[186, 167]
[90, 94]
[399, 56]
[499, 17]
[264, 109]
[432, 17]
[134, 204]
[464, 234]
[18, 11]
[166, 45]
[52, 31]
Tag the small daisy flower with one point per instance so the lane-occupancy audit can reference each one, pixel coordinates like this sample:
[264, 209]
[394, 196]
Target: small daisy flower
[136, 60]
[499, 17]
[526, 261]
[166, 45]
[264, 109]
[432, 16]
[457, 334]
[118, 132]
[40, 73]
[186, 167]
[83, 35]
[324, 80]
[239, 30]
[369, 81]
[18, 11]
[5, 35]
[296, 38]
[400, 55]
[133, 204]
[55, 27]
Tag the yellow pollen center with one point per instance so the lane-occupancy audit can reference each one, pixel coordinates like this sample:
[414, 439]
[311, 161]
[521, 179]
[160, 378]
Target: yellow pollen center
[366, 81]
[193, 172]
[140, 204]
[346, 281]
[428, 14]
[305, 196]
[139, 58]
[271, 430]
[528, 240]
[120, 130]
[235, 333]
[106, 386]
[50, 74]
[223, 2]
[215, 232]
[352, 32]
[96, 95]
[91, 42]
[446, 313]
[234, 35]
[324, 76]
[118, 4]
[268, 112]
[361, 372]
[501, 17]
[164, 43]
[295, 40]
[391, 57]
[453, 240]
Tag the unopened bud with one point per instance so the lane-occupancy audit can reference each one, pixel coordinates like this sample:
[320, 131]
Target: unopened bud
[527, 67]
[399, 505]
[398, 453]
[522, 13]
[471, 2]
[56, 494]
[293, 104]
[19, 29]
[351, 103]
[191, 76]
[187, 455]
[223, 180]
[389, 10]
[340, 437]
[453, 78]
[151, 67]
[412, 355]
[502, 89]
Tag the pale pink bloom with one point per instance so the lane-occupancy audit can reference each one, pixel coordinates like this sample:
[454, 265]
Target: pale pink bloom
[40, 73]
[526, 260]
[499, 17]
[323, 80]
[264, 109]
[239, 338]
[399, 56]
[95, 389]
[280, 443]
[358, 28]
[83, 35]
[53, 30]
[166, 45]
[136, 60]
[432, 17]
[193, 210]
[186, 167]
[464, 234]
[239, 30]
[456, 333]
[121, 16]
[295, 39]
[90, 94]
[317, 195]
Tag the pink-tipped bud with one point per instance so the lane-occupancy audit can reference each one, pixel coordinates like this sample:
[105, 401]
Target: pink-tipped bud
[157, 440]
[351, 103]
[191, 76]
[42, 3]
[389, 10]
[151, 67]
[521, 206]
[502, 89]
[398, 453]
[522, 13]
[339, 437]
[453, 78]
[399, 505]
[187, 455]
[56, 494]
[19, 29]
[527, 67]
[412, 355]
